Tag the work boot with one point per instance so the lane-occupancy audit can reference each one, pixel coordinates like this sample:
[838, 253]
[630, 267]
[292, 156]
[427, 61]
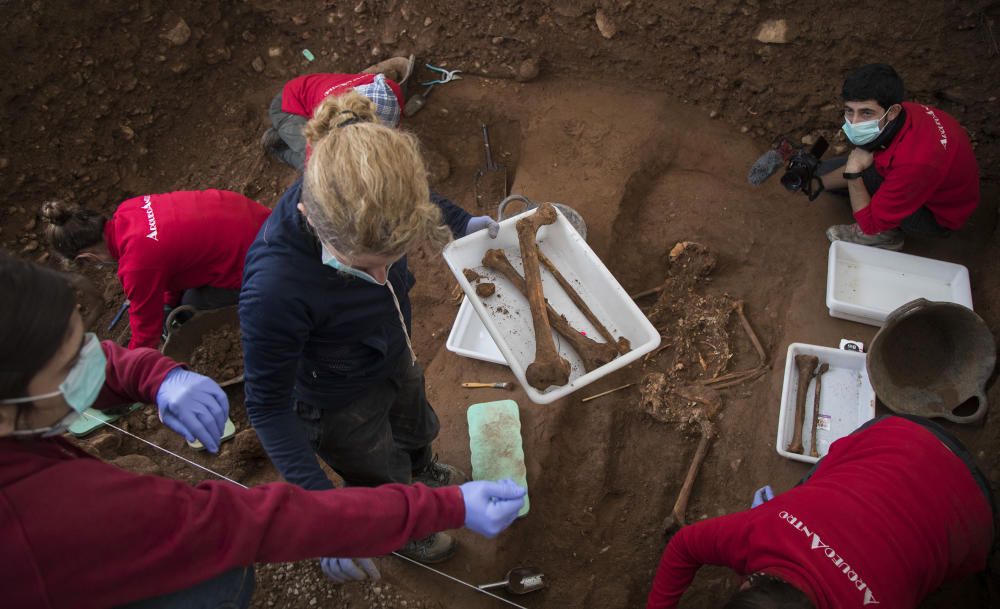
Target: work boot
[435, 548]
[851, 233]
[271, 141]
[439, 474]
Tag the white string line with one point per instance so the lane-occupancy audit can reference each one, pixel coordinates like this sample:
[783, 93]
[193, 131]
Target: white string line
[227, 479]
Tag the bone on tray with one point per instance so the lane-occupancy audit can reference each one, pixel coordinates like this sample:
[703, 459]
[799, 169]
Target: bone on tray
[593, 353]
[622, 344]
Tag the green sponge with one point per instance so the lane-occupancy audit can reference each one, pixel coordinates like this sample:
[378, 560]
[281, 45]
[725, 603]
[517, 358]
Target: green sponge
[495, 444]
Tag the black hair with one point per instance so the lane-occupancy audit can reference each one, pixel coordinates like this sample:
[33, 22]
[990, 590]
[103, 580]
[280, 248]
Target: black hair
[876, 81]
[36, 305]
[769, 592]
[72, 229]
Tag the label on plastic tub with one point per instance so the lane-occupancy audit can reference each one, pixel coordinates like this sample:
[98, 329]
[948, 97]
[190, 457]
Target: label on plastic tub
[823, 421]
[852, 345]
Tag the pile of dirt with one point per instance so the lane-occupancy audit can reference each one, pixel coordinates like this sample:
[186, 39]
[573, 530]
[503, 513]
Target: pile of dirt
[220, 354]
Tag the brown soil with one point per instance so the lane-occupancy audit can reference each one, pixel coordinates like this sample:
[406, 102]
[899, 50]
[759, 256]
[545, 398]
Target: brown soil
[644, 118]
[220, 355]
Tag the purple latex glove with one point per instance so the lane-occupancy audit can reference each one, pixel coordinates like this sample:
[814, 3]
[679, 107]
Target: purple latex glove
[478, 223]
[762, 495]
[490, 507]
[194, 406]
[343, 570]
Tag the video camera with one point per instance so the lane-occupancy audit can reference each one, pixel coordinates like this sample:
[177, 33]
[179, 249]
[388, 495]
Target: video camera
[800, 173]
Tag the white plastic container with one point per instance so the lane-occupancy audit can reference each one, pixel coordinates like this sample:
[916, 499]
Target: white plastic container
[865, 284]
[469, 338]
[846, 400]
[507, 315]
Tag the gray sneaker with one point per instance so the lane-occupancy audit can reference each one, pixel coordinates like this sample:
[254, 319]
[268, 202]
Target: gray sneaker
[439, 474]
[436, 548]
[852, 233]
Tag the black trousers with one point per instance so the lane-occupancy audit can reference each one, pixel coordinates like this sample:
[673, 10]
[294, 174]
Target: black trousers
[385, 436]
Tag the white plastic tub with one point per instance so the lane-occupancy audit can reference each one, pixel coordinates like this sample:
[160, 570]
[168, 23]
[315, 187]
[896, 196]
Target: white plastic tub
[507, 315]
[865, 284]
[469, 338]
[846, 400]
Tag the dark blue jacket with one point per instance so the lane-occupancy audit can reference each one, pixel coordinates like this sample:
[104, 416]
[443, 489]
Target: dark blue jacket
[313, 334]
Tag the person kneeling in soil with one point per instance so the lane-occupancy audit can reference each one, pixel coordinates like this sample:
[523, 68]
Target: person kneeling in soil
[184, 247]
[913, 169]
[81, 533]
[294, 105]
[325, 314]
[892, 511]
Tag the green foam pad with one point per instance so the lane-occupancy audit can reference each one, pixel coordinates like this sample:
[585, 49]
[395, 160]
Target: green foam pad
[495, 444]
[91, 419]
[228, 432]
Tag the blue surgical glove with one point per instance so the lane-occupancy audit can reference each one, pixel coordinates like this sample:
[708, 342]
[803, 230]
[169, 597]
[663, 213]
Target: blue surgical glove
[490, 506]
[194, 406]
[762, 495]
[478, 223]
[343, 570]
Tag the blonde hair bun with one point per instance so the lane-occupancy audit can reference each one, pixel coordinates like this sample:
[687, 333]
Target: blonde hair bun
[335, 111]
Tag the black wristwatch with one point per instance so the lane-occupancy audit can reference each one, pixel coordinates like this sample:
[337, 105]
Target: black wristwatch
[851, 176]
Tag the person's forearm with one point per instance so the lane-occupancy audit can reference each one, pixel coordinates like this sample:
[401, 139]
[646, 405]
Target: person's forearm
[285, 442]
[860, 198]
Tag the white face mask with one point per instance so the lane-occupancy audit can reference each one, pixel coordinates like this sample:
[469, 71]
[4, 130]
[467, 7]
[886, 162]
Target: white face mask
[80, 389]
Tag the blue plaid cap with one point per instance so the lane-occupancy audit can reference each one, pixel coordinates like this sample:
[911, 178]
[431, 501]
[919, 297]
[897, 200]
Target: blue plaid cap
[386, 105]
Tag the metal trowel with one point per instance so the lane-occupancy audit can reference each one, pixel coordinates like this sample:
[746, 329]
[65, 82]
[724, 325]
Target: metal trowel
[521, 580]
[491, 179]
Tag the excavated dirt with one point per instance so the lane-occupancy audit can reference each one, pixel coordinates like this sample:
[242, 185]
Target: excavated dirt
[644, 117]
[220, 355]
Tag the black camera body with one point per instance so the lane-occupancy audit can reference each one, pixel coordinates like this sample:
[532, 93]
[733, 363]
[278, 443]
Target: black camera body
[800, 173]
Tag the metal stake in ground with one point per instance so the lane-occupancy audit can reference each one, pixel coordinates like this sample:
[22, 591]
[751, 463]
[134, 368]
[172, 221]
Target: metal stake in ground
[491, 179]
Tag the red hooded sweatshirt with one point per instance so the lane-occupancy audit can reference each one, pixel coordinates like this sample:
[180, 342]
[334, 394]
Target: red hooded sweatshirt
[168, 243]
[301, 95]
[890, 514]
[930, 164]
[83, 534]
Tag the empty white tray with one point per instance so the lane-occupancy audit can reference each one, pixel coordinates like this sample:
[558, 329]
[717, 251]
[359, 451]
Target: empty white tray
[507, 315]
[847, 400]
[469, 338]
[865, 284]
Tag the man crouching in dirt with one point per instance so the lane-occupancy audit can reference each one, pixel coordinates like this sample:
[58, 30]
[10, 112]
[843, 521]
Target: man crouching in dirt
[912, 171]
[294, 105]
[893, 511]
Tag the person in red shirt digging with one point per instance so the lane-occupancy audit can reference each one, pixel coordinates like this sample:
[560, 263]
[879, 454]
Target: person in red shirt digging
[912, 171]
[184, 247]
[293, 106]
[83, 534]
[892, 512]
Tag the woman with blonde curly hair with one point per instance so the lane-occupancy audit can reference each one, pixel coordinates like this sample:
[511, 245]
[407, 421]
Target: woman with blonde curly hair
[325, 317]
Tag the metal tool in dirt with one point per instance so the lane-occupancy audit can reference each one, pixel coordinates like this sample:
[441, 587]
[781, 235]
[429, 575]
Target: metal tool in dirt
[509, 386]
[491, 178]
[417, 101]
[118, 315]
[930, 359]
[574, 217]
[521, 580]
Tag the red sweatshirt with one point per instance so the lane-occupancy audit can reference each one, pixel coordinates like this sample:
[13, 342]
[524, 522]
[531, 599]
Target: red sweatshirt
[929, 163]
[301, 95]
[168, 243]
[888, 516]
[80, 533]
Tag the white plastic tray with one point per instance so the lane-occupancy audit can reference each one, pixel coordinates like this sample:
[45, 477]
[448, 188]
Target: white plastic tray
[865, 284]
[846, 400]
[507, 315]
[469, 338]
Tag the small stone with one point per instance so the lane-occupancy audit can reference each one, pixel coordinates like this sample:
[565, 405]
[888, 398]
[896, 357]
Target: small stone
[744, 129]
[428, 21]
[713, 114]
[485, 290]
[809, 139]
[32, 246]
[257, 64]
[179, 34]
[605, 25]
[300, 19]
[180, 68]
[128, 132]
[274, 52]
[527, 71]
[773, 31]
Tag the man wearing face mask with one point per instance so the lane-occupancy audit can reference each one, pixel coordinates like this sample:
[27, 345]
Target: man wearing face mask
[912, 171]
